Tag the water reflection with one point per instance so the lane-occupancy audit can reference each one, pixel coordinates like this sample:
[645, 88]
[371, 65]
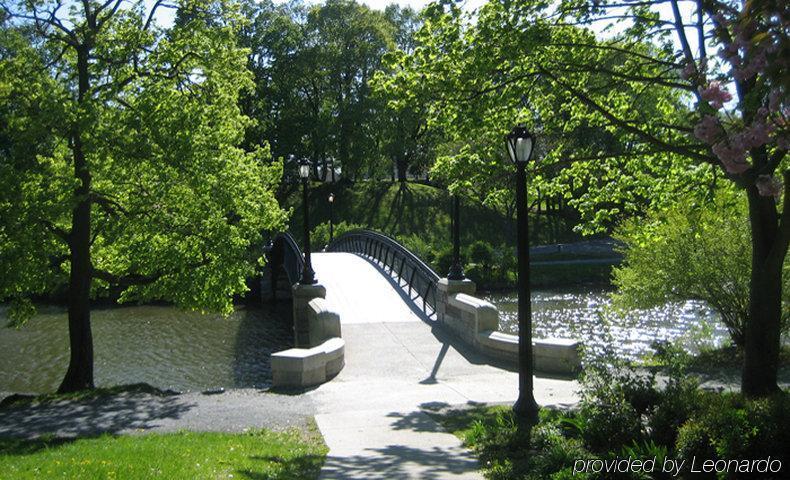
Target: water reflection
[159, 345]
[581, 314]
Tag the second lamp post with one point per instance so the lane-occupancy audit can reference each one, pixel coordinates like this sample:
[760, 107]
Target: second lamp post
[519, 147]
[308, 275]
[456, 269]
[331, 219]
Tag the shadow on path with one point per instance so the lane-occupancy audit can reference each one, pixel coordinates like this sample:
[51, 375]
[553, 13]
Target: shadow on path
[113, 414]
[399, 462]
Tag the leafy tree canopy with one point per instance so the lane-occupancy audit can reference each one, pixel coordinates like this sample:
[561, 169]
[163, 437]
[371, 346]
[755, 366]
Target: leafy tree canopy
[482, 73]
[177, 205]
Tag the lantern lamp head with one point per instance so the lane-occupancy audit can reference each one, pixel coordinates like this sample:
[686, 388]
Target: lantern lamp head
[519, 144]
[304, 168]
[331, 198]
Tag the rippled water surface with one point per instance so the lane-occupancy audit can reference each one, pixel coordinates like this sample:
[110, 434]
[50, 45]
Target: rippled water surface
[162, 346]
[581, 314]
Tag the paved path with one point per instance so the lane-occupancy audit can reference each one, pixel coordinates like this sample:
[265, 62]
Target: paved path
[371, 414]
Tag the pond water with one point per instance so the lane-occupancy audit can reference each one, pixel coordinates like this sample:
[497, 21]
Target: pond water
[159, 345]
[188, 351]
[581, 313]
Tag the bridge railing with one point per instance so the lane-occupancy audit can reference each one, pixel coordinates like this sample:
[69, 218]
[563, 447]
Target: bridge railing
[413, 276]
[284, 255]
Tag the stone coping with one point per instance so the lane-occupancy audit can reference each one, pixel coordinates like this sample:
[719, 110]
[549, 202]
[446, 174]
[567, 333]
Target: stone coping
[304, 367]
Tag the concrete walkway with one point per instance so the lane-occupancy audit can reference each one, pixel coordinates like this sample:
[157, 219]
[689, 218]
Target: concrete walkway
[397, 365]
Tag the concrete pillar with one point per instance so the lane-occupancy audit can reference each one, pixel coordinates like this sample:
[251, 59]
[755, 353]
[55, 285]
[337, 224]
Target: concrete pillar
[302, 294]
[445, 288]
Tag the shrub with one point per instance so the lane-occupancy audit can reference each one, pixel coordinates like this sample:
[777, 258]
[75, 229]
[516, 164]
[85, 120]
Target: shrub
[420, 247]
[443, 260]
[678, 402]
[693, 441]
[741, 428]
[692, 252]
[609, 419]
[481, 253]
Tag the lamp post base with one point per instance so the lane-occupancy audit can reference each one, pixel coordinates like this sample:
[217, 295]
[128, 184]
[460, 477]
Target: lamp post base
[526, 410]
[308, 277]
[456, 272]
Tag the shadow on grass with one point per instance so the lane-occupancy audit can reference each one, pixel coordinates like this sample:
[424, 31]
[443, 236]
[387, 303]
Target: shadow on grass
[457, 418]
[20, 447]
[303, 467]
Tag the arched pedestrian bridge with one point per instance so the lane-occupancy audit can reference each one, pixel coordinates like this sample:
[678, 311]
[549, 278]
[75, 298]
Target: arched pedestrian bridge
[396, 340]
[367, 278]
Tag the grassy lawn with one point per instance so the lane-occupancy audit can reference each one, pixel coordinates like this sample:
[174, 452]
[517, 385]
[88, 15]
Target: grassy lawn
[256, 455]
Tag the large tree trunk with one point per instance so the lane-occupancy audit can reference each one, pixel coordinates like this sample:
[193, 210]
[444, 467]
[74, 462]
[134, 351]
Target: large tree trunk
[402, 165]
[79, 375]
[762, 331]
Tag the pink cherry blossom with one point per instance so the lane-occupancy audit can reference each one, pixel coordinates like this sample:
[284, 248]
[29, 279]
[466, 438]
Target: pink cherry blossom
[715, 95]
[754, 136]
[708, 129]
[757, 64]
[768, 186]
[733, 157]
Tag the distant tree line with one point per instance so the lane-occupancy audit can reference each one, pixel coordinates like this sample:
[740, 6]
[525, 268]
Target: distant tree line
[312, 66]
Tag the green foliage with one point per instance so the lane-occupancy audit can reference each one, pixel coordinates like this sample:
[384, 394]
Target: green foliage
[176, 205]
[688, 251]
[472, 71]
[320, 234]
[693, 441]
[626, 413]
[312, 65]
[481, 253]
[259, 453]
[733, 427]
[505, 453]
[609, 416]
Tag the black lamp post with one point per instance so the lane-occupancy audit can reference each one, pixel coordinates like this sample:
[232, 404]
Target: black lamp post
[519, 147]
[308, 275]
[331, 220]
[456, 269]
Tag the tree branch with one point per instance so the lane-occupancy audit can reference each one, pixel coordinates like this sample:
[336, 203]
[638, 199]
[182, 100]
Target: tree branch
[624, 124]
[133, 279]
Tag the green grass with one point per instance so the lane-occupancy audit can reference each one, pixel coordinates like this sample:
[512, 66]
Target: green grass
[460, 422]
[256, 455]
